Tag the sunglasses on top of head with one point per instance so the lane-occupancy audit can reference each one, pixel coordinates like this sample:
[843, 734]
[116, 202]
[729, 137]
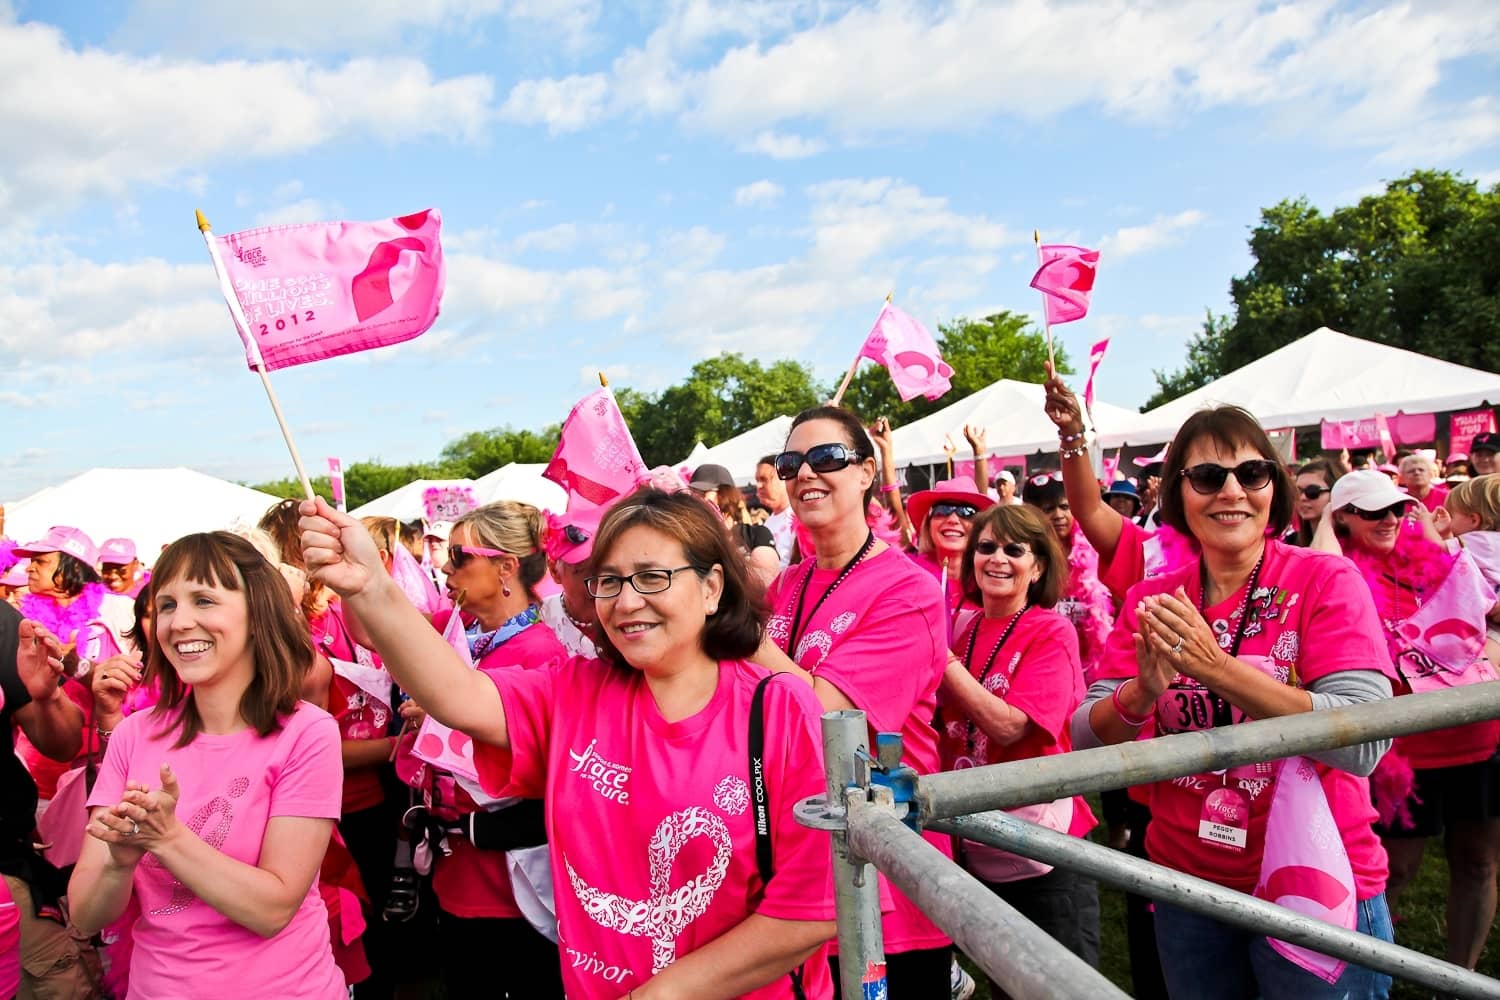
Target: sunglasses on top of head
[1398, 509]
[1209, 477]
[942, 509]
[460, 555]
[1313, 492]
[988, 547]
[820, 458]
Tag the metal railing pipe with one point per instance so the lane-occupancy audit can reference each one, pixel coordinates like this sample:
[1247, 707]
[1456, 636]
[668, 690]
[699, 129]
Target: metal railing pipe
[856, 889]
[1043, 779]
[1026, 962]
[1147, 879]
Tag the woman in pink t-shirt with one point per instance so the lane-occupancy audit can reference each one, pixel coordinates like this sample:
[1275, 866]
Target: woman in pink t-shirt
[943, 515]
[1454, 781]
[871, 629]
[1252, 629]
[643, 756]
[1008, 692]
[213, 811]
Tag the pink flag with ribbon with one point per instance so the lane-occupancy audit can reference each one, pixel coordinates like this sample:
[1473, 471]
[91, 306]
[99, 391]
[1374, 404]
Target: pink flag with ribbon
[436, 743]
[1304, 866]
[317, 290]
[1096, 356]
[909, 353]
[596, 460]
[1444, 638]
[1066, 280]
[416, 584]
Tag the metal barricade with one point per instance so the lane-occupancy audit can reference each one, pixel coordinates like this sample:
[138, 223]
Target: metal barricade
[875, 808]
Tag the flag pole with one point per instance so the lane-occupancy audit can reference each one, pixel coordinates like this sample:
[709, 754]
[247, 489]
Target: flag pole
[1036, 238]
[238, 315]
[849, 375]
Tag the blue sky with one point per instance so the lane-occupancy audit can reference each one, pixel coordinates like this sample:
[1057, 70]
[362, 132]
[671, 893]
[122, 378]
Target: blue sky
[629, 187]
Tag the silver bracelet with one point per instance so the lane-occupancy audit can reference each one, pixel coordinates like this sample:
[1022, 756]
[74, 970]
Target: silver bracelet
[1079, 452]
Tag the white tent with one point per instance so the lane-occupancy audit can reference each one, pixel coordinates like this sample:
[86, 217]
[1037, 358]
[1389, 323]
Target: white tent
[523, 482]
[1328, 375]
[405, 503]
[1010, 413]
[150, 506]
[740, 453]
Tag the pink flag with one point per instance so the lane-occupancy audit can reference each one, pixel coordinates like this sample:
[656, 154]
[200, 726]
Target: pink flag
[436, 743]
[1387, 441]
[336, 482]
[1065, 279]
[1096, 355]
[909, 353]
[317, 290]
[596, 460]
[416, 584]
[1304, 866]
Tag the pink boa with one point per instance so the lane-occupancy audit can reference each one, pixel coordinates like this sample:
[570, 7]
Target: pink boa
[8, 557]
[1177, 549]
[64, 622]
[1391, 788]
[1417, 564]
[1085, 588]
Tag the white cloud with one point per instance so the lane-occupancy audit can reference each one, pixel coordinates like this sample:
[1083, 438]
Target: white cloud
[564, 105]
[112, 120]
[855, 220]
[758, 194]
[554, 239]
[303, 210]
[784, 146]
[699, 246]
[1161, 231]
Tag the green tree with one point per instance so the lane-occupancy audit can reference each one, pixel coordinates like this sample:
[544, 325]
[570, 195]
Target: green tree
[289, 488]
[980, 352]
[1416, 266]
[481, 452]
[721, 397]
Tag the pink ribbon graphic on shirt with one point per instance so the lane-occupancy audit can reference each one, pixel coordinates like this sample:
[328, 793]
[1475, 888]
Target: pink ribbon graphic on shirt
[668, 911]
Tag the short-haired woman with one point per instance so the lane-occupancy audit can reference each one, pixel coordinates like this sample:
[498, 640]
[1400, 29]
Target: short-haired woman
[214, 809]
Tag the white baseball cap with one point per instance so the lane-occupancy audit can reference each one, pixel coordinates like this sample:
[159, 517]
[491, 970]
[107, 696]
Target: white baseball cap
[1367, 489]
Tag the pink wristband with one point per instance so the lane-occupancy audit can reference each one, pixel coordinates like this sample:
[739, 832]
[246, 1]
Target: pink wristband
[1126, 716]
[890, 487]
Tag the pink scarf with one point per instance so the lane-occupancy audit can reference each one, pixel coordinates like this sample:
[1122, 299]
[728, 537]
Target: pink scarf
[1084, 587]
[64, 621]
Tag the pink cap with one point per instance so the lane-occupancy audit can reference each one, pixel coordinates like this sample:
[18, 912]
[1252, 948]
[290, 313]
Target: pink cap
[569, 537]
[61, 538]
[16, 575]
[118, 551]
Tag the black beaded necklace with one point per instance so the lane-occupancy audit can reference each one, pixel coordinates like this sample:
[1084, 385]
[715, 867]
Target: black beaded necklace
[797, 623]
[1223, 714]
[990, 663]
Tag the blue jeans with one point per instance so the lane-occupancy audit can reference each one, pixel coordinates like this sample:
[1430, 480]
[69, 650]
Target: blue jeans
[1204, 959]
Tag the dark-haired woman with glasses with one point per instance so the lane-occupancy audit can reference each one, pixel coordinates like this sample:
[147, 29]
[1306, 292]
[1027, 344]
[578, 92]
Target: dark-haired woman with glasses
[1448, 780]
[871, 629]
[1008, 692]
[1314, 483]
[644, 756]
[1252, 629]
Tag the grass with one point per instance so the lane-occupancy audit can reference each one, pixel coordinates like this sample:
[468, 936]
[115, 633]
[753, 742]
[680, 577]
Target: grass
[1419, 926]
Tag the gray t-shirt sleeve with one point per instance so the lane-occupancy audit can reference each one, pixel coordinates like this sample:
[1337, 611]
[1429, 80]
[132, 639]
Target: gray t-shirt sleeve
[1335, 690]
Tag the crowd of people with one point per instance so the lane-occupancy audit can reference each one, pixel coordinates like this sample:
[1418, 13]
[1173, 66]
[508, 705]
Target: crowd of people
[541, 754]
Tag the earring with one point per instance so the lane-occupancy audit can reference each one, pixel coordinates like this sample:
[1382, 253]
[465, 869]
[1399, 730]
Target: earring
[504, 588]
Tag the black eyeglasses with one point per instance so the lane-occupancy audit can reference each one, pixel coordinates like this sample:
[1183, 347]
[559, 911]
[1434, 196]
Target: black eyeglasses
[1209, 478]
[988, 547]
[459, 555]
[820, 458]
[645, 581]
[963, 510]
[1398, 509]
[1313, 492]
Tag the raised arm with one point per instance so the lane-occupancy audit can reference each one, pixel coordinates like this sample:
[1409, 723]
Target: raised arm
[890, 482]
[1100, 522]
[339, 551]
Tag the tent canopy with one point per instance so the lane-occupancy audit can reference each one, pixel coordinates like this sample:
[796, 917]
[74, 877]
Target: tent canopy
[152, 507]
[1328, 375]
[405, 503]
[1010, 413]
[740, 453]
[521, 481]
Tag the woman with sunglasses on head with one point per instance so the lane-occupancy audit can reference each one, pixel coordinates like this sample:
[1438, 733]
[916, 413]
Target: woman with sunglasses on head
[1252, 629]
[644, 757]
[213, 810]
[494, 562]
[1314, 483]
[1008, 693]
[870, 628]
[944, 516]
[1446, 781]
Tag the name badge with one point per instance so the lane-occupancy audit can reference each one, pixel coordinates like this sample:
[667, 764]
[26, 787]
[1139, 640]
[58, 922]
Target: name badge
[1225, 819]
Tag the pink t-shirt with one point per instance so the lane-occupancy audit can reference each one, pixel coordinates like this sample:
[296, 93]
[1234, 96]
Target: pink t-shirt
[651, 826]
[1436, 494]
[354, 712]
[1311, 615]
[954, 598]
[231, 788]
[882, 639]
[472, 882]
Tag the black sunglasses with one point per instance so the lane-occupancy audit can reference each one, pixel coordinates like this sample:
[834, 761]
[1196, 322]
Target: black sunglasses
[963, 510]
[820, 458]
[988, 547]
[1209, 478]
[1398, 509]
[575, 535]
[460, 555]
[1313, 492]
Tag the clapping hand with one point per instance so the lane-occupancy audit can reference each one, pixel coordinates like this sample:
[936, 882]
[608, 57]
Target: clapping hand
[1175, 631]
[39, 661]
